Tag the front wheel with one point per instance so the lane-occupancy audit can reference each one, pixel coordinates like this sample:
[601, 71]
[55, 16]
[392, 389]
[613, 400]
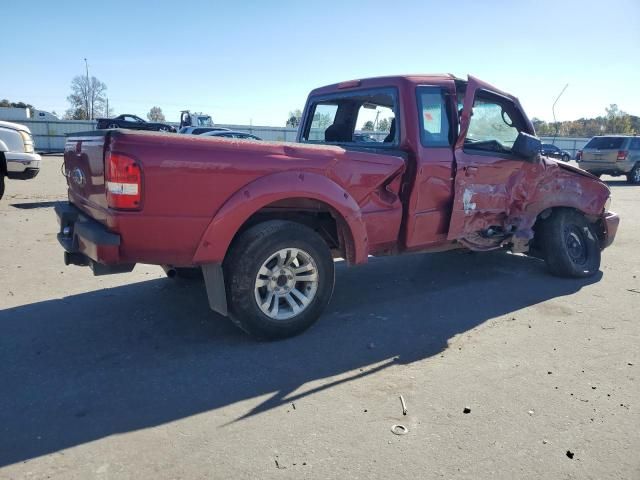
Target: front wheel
[565, 158]
[571, 247]
[633, 177]
[279, 277]
[1, 185]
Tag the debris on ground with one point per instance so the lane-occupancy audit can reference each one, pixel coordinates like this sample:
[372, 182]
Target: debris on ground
[466, 410]
[399, 429]
[570, 454]
[404, 405]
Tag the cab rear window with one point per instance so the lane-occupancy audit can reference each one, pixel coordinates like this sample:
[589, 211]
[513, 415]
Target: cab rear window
[605, 143]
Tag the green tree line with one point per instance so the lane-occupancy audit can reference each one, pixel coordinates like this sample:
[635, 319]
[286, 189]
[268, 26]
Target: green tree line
[614, 121]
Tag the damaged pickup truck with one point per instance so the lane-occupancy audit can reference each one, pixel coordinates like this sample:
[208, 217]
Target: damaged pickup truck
[263, 221]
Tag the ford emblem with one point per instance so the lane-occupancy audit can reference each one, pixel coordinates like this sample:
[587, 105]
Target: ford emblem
[78, 177]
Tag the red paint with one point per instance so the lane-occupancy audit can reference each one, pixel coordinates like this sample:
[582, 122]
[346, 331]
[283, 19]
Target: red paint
[197, 192]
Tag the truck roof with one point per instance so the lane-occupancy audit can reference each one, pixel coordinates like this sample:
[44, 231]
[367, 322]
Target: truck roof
[389, 80]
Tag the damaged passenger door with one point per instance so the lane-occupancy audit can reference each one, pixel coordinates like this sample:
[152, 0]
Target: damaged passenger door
[490, 177]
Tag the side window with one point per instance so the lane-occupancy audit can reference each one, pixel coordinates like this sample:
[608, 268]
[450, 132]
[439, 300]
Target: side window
[375, 118]
[494, 125]
[324, 115]
[635, 144]
[350, 117]
[434, 118]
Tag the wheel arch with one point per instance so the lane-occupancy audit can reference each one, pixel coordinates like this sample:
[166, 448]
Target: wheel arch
[298, 196]
[545, 214]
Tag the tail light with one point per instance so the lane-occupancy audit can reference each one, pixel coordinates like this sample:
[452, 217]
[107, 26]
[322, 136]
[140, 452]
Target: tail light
[622, 155]
[579, 155]
[123, 180]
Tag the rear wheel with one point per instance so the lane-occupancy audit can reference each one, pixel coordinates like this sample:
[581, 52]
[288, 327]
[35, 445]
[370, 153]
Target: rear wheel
[565, 158]
[570, 245]
[1, 184]
[279, 278]
[633, 176]
[113, 125]
[164, 129]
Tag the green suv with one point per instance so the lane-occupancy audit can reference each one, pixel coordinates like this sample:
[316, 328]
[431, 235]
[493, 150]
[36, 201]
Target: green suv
[612, 155]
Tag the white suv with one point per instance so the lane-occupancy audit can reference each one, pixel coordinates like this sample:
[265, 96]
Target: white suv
[18, 159]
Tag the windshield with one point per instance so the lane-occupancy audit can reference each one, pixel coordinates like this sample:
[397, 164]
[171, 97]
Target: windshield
[605, 143]
[204, 121]
[494, 125]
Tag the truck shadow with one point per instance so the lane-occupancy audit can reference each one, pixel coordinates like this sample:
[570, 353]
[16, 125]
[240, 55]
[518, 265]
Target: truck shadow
[87, 366]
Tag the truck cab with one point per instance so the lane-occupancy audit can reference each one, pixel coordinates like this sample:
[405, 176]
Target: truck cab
[192, 121]
[473, 173]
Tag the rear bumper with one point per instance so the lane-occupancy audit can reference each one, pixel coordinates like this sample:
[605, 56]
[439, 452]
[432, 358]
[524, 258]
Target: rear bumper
[87, 242]
[610, 223]
[607, 168]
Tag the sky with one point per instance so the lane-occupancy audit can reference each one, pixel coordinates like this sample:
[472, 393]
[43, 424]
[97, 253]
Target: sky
[255, 61]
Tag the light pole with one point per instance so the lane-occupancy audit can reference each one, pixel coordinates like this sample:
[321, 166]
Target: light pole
[553, 110]
[86, 66]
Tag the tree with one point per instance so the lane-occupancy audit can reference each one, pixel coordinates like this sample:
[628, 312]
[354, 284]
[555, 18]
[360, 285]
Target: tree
[614, 121]
[155, 115]
[617, 120]
[384, 125]
[75, 114]
[6, 103]
[368, 126]
[88, 98]
[294, 118]
[322, 121]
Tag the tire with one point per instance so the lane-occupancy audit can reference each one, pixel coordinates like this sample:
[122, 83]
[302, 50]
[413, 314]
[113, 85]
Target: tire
[164, 129]
[570, 245]
[565, 158]
[633, 177]
[113, 125]
[1, 185]
[260, 267]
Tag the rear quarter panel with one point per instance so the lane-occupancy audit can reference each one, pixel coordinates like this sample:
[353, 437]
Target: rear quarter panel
[188, 179]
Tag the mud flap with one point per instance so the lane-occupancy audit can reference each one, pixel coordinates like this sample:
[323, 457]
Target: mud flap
[216, 291]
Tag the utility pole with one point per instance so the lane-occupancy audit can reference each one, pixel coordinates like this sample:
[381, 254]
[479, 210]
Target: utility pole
[107, 112]
[86, 66]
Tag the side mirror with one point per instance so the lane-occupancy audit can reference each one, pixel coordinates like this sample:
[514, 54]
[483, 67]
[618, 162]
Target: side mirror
[527, 146]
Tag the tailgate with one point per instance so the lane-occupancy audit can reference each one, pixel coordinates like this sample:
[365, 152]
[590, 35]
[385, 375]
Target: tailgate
[604, 156]
[602, 149]
[84, 170]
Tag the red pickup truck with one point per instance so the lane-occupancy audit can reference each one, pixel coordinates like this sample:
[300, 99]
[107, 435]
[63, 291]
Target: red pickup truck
[460, 167]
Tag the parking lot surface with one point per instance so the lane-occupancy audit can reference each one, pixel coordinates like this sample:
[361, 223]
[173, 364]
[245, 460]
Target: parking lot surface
[132, 376]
